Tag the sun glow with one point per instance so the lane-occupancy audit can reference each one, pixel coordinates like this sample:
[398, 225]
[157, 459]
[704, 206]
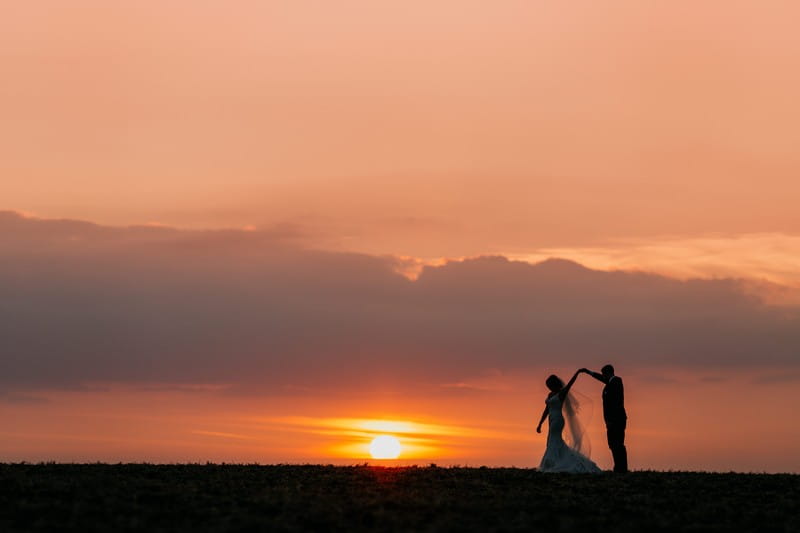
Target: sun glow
[424, 441]
[385, 447]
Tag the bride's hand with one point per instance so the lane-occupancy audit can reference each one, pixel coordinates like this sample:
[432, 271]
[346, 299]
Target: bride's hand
[538, 429]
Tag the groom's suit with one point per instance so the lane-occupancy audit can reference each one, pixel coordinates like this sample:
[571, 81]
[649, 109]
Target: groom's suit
[616, 420]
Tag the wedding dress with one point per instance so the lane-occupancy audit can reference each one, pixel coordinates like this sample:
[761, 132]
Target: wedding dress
[560, 456]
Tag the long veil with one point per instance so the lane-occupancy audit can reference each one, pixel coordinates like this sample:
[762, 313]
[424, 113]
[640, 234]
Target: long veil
[577, 415]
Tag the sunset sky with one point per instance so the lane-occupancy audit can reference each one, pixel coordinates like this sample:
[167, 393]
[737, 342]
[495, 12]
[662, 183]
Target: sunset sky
[263, 231]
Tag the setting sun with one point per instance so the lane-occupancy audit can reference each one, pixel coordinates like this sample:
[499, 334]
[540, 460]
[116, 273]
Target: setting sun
[385, 447]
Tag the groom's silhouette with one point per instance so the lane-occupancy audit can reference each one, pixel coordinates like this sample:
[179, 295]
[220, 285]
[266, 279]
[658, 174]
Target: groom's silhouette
[614, 414]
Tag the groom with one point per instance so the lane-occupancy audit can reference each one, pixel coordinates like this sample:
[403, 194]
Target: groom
[614, 414]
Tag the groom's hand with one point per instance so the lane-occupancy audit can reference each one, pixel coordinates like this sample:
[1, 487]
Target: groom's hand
[538, 429]
[584, 370]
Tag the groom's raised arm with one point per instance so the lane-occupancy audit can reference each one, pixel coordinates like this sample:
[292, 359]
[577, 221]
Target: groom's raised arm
[596, 375]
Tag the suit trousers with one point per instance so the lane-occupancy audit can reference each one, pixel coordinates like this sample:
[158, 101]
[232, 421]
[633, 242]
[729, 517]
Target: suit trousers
[615, 431]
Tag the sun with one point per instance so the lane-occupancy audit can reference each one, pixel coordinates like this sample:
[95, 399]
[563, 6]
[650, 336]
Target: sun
[385, 447]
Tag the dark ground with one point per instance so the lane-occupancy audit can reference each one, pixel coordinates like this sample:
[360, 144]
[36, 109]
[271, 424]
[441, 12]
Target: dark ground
[99, 497]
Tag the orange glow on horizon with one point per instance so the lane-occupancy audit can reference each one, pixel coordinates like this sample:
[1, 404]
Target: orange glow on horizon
[351, 438]
[116, 423]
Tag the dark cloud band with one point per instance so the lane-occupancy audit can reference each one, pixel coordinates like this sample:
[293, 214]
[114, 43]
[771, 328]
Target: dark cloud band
[85, 303]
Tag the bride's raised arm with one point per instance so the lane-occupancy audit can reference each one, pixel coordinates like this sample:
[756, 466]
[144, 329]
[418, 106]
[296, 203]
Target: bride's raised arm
[563, 392]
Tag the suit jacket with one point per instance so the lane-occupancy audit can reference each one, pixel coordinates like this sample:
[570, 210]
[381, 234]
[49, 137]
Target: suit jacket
[614, 401]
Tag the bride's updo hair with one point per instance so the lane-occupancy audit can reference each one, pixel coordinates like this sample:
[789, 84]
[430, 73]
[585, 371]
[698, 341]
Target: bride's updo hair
[554, 383]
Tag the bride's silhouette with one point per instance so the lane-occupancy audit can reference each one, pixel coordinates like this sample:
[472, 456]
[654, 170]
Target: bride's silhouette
[560, 410]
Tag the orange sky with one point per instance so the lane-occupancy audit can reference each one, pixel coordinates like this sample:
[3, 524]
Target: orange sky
[622, 135]
[683, 423]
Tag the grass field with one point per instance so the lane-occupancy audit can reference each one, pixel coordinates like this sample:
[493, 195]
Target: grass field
[128, 497]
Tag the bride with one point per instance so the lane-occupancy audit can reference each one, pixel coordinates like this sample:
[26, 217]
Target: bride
[561, 409]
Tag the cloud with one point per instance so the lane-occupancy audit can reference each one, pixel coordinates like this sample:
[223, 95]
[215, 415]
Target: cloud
[766, 256]
[21, 399]
[713, 379]
[84, 303]
[654, 379]
[783, 377]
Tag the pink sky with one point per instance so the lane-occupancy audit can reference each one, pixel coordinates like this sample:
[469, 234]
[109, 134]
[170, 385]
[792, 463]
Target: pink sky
[428, 129]
[656, 137]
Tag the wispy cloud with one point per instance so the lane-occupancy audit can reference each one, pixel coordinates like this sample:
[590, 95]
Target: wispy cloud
[223, 435]
[782, 377]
